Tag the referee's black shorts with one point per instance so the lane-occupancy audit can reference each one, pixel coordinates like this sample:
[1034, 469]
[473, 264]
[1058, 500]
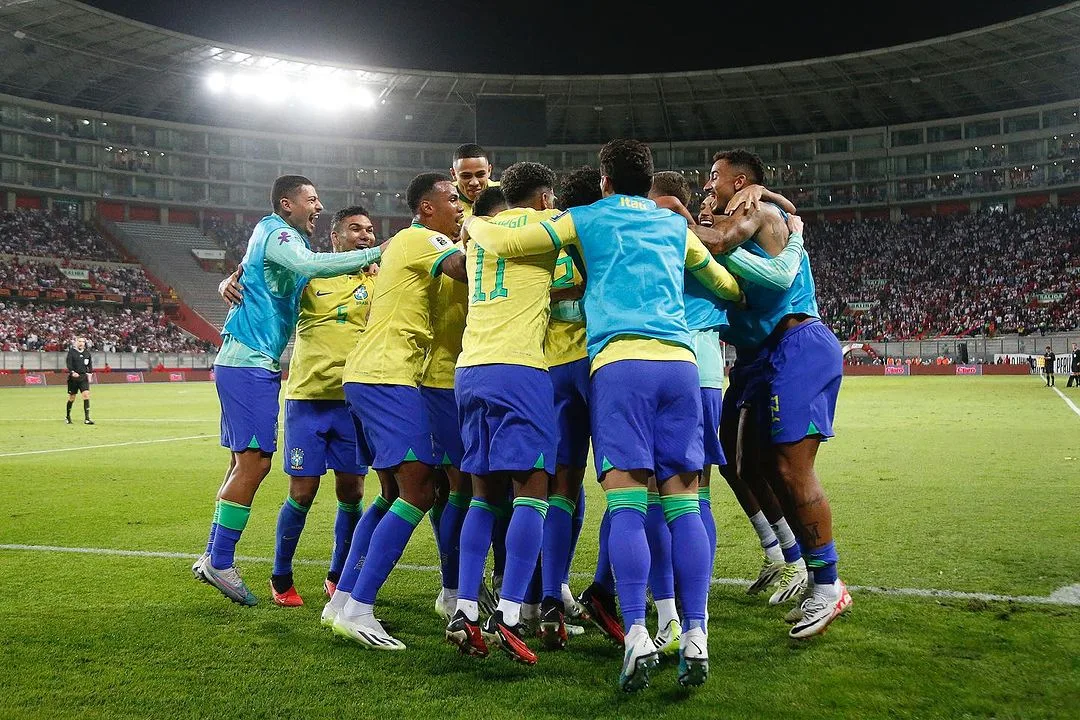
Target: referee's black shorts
[77, 385]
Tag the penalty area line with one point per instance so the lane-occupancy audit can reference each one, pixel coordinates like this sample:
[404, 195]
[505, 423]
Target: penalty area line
[1067, 596]
[108, 445]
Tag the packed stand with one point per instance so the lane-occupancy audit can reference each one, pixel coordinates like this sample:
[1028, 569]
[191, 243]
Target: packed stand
[33, 274]
[41, 234]
[50, 328]
[958, 275]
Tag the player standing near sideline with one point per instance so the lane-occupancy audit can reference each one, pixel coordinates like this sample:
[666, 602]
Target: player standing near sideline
[1049, 358]
[506, 406]
[791, 385]
[1074, 368]
[79, 366]
[645, 407]
[277, 265]
[383, 371]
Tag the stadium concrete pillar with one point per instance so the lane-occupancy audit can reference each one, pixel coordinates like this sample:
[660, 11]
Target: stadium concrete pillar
[1053, 200]
[894, 214]
[164, 214]
[973, 206]
[9, 201]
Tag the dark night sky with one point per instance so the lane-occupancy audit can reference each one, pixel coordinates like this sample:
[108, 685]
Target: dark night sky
[555, 38]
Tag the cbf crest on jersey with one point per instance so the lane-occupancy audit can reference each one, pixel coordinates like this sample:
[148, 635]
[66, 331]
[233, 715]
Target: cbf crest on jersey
[361, 293]
[296, 458]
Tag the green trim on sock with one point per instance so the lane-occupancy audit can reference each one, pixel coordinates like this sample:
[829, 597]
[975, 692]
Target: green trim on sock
[296, 505]
[458, 499]
[627, 498]
[703, 495]
[483, 505]
[217, 511]
[381, 503]
[540, 506]
[814, 564]
[675, 506]
[409, 513]
[351, 508]
[653, 498]
[233, 515]
[436, 513]
[562, 502]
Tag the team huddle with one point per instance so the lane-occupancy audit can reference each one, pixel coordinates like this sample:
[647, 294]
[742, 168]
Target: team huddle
[474, 359]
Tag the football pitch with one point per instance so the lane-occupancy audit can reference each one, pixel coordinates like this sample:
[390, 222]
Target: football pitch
[968, 486]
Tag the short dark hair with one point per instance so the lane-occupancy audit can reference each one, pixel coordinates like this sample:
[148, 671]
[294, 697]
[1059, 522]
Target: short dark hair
[672, 182]
[340, 215]
[420, 186]
[489, 202]
[522, 180]
[580, 187]
[629, 166]
[744, 160]
[470, 150]
[285, 186]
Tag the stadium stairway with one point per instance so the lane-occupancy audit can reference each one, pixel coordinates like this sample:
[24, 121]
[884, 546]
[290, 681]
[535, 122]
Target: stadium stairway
[165, 252]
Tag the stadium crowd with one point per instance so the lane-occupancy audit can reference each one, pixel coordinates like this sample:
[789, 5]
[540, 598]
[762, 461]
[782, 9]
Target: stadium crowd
[50, 328]
[959, 275]
[32, 274]
[41, 234]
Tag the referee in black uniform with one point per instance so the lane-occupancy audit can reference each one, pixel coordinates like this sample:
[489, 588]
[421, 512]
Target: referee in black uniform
[1048, 366]
[79, 367]
[1074, 377]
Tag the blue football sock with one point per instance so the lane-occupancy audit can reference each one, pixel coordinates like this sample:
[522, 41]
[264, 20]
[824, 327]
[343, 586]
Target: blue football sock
[213, 529]
[558, 527]
[290, 523]
[348, 515]
[232, 519]
[498, 538]
[575, 532]
[629, 550]
[535, 592]
[820, 561]
[523, 539]
[603, 576]
[473, 547]
[707, 519]
[361, 540]
[661, 574]
[690, 555]
[453, 516]
[387, 543]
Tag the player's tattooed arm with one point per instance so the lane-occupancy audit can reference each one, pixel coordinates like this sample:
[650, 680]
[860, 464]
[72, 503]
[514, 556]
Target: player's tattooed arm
[729, 231]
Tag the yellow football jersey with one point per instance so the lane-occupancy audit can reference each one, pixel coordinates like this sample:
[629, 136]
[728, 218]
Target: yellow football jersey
[565, 341]
[398, 332]
[333, 313]
[509, 301]
[466, 203]
[447, 326]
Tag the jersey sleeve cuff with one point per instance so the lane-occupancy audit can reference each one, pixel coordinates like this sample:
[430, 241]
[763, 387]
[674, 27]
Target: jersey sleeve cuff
[552, 234]
[439, 260]
[700, 265]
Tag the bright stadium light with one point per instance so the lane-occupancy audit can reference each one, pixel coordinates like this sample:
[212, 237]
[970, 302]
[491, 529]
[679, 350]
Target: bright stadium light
[364, 98]
[216, 82]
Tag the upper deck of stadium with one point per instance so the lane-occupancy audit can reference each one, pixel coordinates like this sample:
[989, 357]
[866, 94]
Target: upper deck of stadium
[66, 52]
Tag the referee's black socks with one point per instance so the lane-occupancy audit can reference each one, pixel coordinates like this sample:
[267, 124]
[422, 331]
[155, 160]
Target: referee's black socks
[69, 404]
[85, 409]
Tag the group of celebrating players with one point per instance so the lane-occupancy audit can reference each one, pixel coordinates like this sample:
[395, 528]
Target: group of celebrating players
[474, 358]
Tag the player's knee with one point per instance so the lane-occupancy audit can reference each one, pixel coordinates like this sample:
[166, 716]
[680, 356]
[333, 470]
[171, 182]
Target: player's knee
[303, 490]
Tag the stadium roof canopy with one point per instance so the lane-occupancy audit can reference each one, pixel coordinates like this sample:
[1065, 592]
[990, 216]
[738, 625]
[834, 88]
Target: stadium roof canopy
[66, 52]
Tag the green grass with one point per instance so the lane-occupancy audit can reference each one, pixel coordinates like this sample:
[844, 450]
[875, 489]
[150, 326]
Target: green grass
[965, 484]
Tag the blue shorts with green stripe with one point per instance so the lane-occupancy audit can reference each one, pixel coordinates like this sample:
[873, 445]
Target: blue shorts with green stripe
[391, 423]
[249, 407]
[507, 416]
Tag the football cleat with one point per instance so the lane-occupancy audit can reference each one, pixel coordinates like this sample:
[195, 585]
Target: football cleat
[196, 567]
[574, 630]
[693, 658]
[575, 611]
[639, 658]
[600, 605]
[289, 598]
[553, 632]
[88, 421]
[444, 609]
[818, 611]
[329, 587]
[486, 600]
[507, 638]
[466, 634]
[229, 583]
[667, 638]
[367, 631]
[795, 614]
[768, 574]
[67, 421]
[791, 583]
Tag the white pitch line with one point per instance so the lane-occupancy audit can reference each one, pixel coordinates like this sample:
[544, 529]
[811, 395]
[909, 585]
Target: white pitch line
[1068, 402]
[109, 445]
[1068, 595]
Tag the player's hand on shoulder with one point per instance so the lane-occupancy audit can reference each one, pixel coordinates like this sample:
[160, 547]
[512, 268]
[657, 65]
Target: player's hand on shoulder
[794, 224]
[749, 197]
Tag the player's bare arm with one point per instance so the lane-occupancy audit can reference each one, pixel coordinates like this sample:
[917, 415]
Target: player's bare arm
[752, 195]
[454, 267]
